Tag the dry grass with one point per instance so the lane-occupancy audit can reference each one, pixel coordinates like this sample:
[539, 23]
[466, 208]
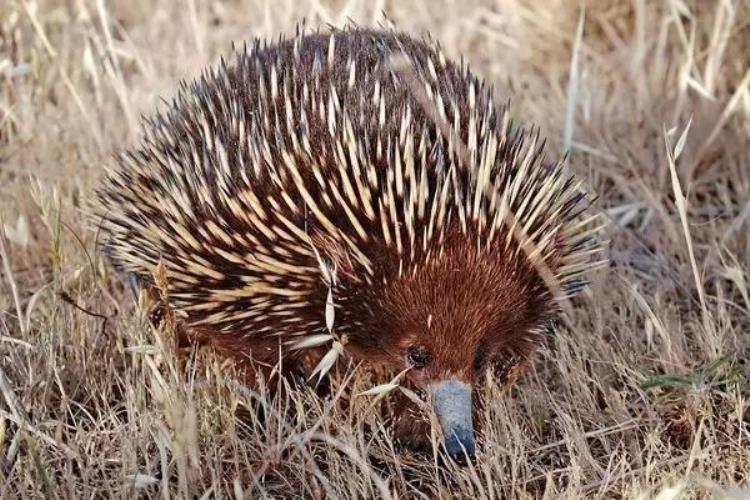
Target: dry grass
[644, 392]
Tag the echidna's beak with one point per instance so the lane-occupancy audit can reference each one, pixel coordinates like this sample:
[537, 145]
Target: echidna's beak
[451, 400]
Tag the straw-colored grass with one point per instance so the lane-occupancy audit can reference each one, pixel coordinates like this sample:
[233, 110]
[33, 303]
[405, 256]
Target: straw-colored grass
[643, 392]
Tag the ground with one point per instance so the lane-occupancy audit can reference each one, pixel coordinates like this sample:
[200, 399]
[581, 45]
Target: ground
[642, 391]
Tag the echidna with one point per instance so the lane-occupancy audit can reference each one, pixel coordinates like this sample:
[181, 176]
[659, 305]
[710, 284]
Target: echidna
[359, 168]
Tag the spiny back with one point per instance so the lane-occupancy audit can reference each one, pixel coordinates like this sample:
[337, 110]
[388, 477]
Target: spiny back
[320, 152]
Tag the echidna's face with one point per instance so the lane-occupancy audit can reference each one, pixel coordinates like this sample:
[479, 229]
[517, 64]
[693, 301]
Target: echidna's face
[456, 317]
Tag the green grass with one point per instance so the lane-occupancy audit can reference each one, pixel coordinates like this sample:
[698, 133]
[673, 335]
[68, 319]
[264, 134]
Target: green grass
[643, 393]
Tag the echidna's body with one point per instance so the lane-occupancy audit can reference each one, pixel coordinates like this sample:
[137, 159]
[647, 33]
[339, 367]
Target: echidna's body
[363, 168]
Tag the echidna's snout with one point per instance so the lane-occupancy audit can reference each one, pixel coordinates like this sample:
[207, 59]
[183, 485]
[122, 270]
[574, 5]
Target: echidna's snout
[451, 400]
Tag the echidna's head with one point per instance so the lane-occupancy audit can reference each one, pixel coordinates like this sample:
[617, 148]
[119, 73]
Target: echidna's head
[451, 319]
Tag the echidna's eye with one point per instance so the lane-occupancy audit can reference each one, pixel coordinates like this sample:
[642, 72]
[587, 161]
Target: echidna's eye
[418, 357]
[480, 358]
